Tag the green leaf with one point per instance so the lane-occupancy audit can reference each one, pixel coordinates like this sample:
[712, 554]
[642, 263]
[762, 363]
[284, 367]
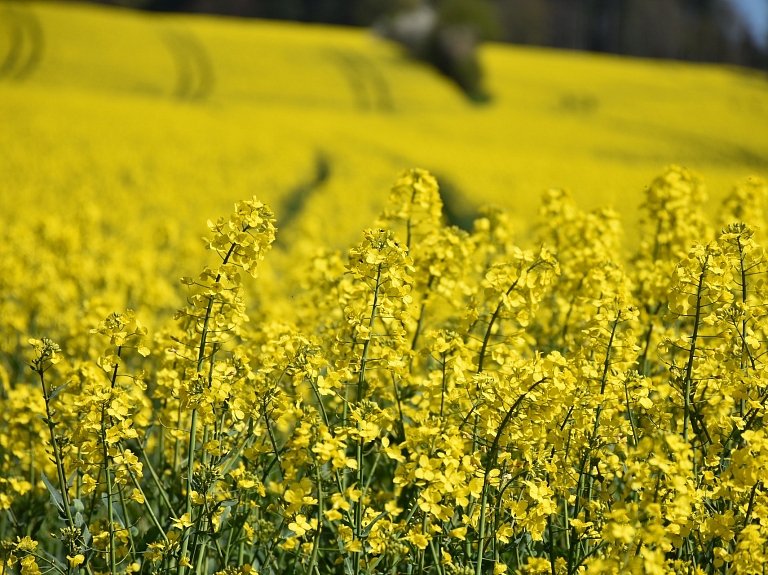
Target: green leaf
[368, 528]
[47, 421]
[56, 391]
[56, 497]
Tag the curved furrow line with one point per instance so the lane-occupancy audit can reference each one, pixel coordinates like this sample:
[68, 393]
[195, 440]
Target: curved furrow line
[25, 42]
[370, 88]
[195, 79]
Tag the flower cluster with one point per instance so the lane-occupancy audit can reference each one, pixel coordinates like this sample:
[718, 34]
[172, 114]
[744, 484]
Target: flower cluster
[439, 401]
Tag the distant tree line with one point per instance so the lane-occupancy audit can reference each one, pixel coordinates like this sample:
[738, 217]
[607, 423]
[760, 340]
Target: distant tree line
[698, 30]
[446, 32]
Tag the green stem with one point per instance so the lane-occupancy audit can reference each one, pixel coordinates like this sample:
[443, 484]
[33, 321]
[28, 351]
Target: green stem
[110, 508]
[604, 379]
[55, 449]
[422, 552]
[148, 506]
[492, 321]
[435, 556]
[316, 542]
[157, 483]
[486, 476]
[359, 504]
[190, 469]
[629, 415]
[551, 528]
[692, 353]
[361, 390]
[401, 420]
[126, 519]
[193, 423]
[420, 321]
[442, 388]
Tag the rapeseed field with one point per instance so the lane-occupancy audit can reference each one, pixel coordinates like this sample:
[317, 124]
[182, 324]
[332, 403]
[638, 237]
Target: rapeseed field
[494, 378]
[180, 114]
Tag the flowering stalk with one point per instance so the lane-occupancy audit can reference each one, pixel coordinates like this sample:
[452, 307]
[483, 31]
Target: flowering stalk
[493, 454]
[47, 354]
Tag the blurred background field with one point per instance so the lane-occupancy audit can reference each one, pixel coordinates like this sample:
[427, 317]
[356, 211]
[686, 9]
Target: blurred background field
[158, 121]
